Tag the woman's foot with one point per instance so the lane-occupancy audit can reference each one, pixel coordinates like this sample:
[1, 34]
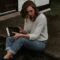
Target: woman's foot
[8, 56]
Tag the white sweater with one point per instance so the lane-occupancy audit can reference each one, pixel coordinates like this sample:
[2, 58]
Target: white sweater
[37, 30]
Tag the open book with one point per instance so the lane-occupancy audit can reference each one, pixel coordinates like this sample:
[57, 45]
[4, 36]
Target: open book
[9, 30]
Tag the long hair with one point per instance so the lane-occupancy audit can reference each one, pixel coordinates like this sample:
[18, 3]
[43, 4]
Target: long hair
[25, 6]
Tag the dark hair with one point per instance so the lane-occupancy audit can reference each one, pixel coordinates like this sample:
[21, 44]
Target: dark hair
[27, 4]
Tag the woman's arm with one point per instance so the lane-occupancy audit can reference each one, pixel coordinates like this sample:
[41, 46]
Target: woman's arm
[18, 35]
[21, 30]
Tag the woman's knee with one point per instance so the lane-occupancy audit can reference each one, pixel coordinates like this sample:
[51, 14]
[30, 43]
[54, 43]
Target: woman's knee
[10, 37]
[22, 40]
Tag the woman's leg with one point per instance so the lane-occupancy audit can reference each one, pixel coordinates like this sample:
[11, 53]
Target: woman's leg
[17, 44]
[33, 44]
[9, 42]
[22, 41]
[36, 45]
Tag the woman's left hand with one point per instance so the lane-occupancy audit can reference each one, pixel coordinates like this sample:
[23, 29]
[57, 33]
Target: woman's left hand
[17, 35]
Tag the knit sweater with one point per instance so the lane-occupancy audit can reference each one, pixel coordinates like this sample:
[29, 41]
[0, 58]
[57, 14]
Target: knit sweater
[37, 30]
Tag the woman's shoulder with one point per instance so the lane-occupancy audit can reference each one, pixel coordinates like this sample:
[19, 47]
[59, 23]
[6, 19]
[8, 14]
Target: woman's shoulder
[41, 15]
[41, 18]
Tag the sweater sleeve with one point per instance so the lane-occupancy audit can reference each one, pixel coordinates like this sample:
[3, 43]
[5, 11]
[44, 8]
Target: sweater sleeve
[25, 25]
[38, 29]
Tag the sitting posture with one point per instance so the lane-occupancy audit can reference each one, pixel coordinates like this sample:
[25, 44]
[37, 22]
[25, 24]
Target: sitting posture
[34, 35]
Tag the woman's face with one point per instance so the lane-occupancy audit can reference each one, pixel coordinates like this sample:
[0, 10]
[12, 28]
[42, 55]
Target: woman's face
[31, 11]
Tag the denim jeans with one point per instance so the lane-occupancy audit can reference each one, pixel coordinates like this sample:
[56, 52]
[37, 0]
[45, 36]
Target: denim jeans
[15, 44]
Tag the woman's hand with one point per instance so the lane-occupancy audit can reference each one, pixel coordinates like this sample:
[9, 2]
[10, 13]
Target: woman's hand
[22, 30]
[17, 35]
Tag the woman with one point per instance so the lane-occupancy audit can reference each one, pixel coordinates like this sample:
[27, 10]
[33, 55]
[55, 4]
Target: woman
[34, 35]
